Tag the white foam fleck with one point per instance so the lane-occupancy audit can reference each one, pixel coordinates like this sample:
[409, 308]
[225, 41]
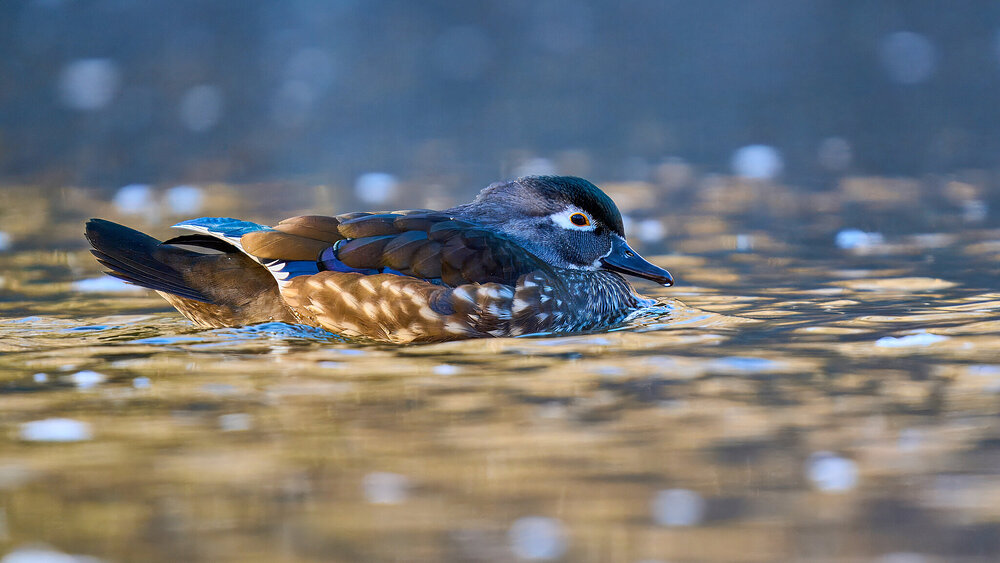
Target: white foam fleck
[142, 383]
[537, 538]
[292, 104]
[134, 199]
[831, 473]
[235, 422]
[757, 162]
[920, 339]
[105, 284]
[5, 241]
[446, 370]
[650, 230]
[89, 84]
[43, 554]
[313, 66]
[975, 210]
[850, 239]
[184, 200]
[86, 379]
[903, 557]
[908, 57]
[375, 187]
[55, 430]
[40, 377]
[536, 167]
[382, 487]
[678, 507]
[835, 154]
[201, 107]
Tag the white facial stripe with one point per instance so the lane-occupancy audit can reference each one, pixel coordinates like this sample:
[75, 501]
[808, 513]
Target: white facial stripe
[562, 218]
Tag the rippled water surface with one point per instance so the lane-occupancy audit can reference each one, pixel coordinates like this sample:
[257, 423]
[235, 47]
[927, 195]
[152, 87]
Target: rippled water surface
[823, 384]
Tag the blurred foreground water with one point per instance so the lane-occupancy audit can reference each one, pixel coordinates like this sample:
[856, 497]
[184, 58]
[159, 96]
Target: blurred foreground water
[823, 384]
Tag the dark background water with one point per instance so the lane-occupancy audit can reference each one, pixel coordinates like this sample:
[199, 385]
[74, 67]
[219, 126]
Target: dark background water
[106, 92]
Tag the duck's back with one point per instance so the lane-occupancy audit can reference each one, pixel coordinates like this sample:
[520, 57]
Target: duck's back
[407, 276]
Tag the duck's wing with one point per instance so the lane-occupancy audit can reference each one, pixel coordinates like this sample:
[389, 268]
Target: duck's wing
[402, 276]
[426, 245]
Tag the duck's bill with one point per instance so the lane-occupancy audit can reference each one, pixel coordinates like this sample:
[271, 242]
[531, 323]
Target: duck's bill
[624, 260]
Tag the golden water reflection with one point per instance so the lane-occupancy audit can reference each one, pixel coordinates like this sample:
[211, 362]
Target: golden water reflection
[789, 401]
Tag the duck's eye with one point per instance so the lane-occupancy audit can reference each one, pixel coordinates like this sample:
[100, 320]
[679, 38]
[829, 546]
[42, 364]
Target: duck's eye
[579, 219]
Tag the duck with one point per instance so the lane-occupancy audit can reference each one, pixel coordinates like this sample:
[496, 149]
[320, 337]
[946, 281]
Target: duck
[532, 255]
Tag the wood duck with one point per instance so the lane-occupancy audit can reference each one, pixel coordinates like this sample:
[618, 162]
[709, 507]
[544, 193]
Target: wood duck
[536, 254]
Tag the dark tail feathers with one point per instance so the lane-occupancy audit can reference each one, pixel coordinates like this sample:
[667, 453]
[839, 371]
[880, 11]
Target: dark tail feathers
[133, 256]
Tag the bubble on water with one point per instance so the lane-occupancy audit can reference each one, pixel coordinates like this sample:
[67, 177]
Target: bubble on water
[375, 187]
[201, 107]
[184, 200]
[134, 199]
[537, 538]
[757, 162]
[89, 84]
[86, 379]
[536, 167]
[908, 57]
[919, 339]
[462, 52]
[55, 430]
[142, 383]
[678, 507]
[831, 473]
[386, 488]
[835, 154]
[446, 370]
[40, 377]
[104, 284]
[235, 422]
[850, 239]
[650, 230]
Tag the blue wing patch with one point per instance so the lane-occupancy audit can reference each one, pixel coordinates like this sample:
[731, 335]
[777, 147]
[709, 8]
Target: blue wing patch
[222, 227]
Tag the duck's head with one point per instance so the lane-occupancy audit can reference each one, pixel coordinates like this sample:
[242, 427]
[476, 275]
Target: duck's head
[566, 221]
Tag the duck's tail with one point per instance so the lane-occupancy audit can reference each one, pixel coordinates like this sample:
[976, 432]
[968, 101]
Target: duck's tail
[210, 281]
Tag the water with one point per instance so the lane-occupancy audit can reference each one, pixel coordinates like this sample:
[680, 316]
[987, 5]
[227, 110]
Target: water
[794, 398]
